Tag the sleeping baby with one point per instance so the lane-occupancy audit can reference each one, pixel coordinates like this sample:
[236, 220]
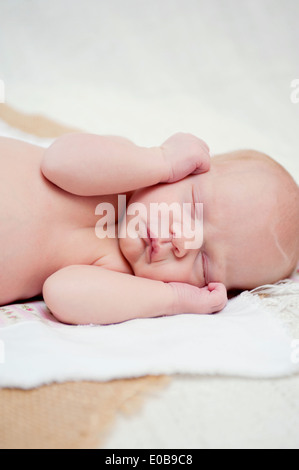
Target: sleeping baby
[109, 231]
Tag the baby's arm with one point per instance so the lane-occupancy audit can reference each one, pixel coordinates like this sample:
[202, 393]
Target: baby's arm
[91, 294]
[93, 165]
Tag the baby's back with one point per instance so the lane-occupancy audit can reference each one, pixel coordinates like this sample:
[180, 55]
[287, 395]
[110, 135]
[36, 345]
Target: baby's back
[42, 228]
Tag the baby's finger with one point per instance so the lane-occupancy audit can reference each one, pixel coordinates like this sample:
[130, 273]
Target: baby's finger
[204, 163]
[192, 299]
[218, 296]
[204, 146]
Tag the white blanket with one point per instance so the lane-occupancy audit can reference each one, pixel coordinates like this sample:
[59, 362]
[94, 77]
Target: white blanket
[250, 337]
[245, 339]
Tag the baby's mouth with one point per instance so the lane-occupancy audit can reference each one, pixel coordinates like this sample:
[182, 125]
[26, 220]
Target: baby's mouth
[154, 248]
[149, 242]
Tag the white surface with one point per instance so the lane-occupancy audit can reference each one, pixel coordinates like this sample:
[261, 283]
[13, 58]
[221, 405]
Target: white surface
[214, 413]
[244, 340]
[221, 70]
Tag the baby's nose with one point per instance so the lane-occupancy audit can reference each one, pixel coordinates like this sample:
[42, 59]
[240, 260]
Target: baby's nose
[179, 247]
[178, 241]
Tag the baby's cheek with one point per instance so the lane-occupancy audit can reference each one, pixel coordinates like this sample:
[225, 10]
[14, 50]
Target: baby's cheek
[130, 249]
[149, 271]
[161, 272]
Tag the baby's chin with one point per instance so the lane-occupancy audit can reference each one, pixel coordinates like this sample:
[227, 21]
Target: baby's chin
[141, 268]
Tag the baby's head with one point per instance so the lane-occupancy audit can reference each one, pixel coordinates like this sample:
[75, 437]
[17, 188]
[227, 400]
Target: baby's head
[250, 225]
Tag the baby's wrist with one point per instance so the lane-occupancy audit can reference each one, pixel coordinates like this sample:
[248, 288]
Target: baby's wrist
[176, 304]
[168, 301]
[157, 155]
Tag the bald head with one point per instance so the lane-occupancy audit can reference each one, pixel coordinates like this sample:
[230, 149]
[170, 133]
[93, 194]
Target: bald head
[264, 217]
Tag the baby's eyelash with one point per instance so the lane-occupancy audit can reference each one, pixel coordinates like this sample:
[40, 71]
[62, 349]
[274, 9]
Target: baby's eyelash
[204, 268]
[196, 206]
[193, 206]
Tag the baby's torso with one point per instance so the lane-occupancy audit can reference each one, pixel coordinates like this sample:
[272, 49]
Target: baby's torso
[43, 228]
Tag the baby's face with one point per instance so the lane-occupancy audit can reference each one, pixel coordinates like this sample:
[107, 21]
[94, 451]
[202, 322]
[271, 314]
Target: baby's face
[238, 247]
[165, 256]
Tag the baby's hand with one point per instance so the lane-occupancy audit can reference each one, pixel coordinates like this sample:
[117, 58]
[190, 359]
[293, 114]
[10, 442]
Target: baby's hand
[184, 155]
[191, 299]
